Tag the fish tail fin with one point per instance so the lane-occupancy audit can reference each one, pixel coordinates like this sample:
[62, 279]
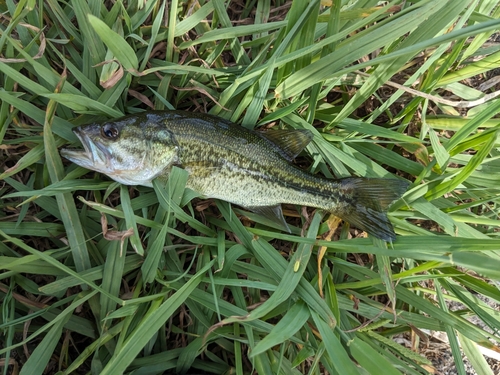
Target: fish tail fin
[366, 203]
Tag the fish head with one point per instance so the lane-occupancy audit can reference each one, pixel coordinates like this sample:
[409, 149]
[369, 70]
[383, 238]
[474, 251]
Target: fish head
[130, 150]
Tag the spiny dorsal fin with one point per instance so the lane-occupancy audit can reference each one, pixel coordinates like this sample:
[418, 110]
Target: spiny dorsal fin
[291, 142]
[273, 213]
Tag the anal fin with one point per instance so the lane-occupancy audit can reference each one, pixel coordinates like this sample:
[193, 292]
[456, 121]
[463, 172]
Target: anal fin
[273, 213]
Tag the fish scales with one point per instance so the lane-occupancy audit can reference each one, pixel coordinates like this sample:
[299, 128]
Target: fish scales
[229, 162]
[240, 165]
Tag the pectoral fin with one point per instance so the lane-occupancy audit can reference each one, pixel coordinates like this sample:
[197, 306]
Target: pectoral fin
[273, 213]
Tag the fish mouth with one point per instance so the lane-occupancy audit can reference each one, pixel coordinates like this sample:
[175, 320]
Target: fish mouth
[94, 155]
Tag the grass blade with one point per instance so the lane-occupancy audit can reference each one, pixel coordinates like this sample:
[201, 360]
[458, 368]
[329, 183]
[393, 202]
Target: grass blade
[150, 325]
[65, 201]
[115, 42]
[293, 320]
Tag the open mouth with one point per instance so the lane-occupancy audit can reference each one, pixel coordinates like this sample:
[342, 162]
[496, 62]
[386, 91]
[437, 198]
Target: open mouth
[93, 156]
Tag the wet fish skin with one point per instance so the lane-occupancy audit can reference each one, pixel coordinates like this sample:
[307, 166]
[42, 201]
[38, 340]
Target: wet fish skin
[232, 163]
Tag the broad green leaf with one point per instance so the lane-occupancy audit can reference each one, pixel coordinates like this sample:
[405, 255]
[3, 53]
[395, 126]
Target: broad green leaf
[123, 52]
[130, 220]
[475, 356]
[338, 355]
[112, 276]
[293, 320]
[233, 32]
[69, 213]
[440, 152]
[192, 21]
[371, 360]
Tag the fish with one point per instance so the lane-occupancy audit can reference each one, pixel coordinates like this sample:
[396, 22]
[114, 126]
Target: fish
[248, 168]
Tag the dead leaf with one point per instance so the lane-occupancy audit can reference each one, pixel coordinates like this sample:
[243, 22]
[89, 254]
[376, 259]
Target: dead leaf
[143, 98]
[113, 79]
[333, 223]
[41, 49]
[114, 235]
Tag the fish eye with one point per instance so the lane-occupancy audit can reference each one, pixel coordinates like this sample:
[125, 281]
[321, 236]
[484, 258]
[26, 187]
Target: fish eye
[109, 131]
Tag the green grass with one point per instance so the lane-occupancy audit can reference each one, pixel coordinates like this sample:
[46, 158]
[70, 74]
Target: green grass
[175, 284]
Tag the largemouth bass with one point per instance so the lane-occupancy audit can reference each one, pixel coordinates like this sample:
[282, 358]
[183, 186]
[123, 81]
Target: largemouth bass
[226, 161]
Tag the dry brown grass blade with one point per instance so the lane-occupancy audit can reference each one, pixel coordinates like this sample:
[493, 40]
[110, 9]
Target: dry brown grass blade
[333, 223]
[41, 48]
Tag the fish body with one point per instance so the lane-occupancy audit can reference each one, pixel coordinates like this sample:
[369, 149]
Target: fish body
[229, 162]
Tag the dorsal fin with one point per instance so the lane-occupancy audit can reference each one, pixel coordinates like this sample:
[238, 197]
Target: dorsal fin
[291, 142]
